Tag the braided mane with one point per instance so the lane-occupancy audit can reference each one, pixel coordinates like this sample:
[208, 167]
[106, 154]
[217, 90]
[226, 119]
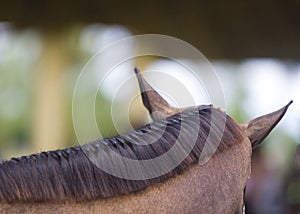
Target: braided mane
[69, 174]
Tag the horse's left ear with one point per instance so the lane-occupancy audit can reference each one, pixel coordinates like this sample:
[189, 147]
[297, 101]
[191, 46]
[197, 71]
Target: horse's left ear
[258, 128]
[157, 106]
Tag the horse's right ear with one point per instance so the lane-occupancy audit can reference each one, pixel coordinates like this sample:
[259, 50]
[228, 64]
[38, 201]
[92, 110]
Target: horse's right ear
[258, 128]
[157, 106]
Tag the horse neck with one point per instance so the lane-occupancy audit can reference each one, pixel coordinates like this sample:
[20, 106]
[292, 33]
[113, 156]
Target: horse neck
[215, 187]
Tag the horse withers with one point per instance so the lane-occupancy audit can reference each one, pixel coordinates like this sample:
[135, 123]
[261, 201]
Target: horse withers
[211, 177]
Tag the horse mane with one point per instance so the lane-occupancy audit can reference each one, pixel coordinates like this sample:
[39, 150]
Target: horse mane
[69, 174]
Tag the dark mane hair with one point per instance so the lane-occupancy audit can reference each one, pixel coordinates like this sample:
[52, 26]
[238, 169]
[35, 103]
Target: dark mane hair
[69, 175]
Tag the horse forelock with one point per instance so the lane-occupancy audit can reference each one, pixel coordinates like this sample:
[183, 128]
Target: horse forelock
[70, 175]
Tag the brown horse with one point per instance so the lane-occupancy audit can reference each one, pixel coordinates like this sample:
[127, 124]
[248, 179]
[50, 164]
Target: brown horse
[210, 178]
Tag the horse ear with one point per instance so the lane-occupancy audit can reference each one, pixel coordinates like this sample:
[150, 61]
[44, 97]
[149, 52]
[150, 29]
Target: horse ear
[157, 106]
[258, 128]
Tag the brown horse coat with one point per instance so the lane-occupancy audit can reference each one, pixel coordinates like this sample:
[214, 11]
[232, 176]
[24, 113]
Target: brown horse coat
[71, 184]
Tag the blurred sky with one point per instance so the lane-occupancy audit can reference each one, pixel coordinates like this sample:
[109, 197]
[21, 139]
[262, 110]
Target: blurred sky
[266, 84]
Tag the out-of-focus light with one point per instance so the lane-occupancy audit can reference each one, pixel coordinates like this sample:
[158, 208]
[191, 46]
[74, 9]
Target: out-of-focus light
[267, 84]
[94, 39]
[178, 85]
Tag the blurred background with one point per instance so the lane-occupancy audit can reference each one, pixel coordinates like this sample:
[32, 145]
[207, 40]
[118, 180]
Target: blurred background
[253, 46]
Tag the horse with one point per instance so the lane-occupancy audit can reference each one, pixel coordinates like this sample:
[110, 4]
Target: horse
[210, 178]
